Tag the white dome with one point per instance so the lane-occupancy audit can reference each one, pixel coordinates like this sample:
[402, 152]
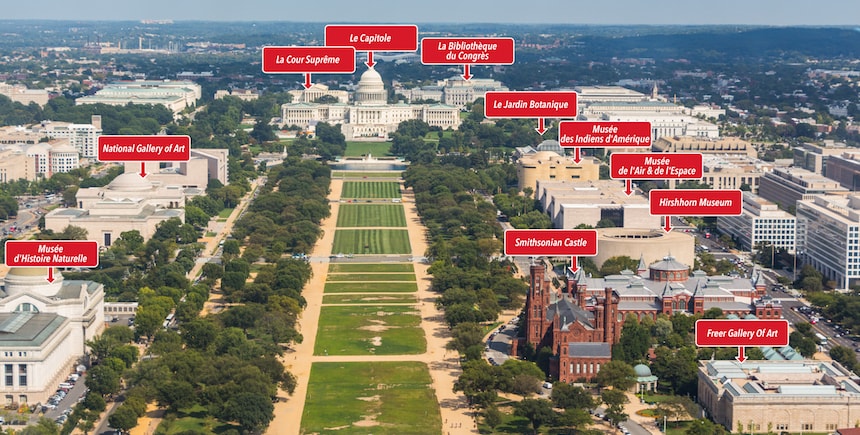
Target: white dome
[63, 148]
[371, 80]
[130, 182]
[32, 280]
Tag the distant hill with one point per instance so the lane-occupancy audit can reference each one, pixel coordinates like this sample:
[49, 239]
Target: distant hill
[712, 44]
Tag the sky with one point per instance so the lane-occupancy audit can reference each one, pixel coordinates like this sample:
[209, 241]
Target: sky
[657, 12]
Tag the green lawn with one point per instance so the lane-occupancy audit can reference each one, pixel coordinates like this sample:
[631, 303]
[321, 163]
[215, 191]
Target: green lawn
[363, 174]
[358, 149]
[194, 419]
[363, 287]
[369, 330]
[382, 398]
[224, 214]
[371, 241]
[370, 189]
[371, 215]
[356, 277]
[384, 298]
[369, 267]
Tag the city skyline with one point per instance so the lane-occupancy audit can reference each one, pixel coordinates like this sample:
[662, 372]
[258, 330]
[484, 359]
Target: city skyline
[658, 12]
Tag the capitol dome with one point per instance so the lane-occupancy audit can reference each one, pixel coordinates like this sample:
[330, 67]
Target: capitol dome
[371, 89]
[370, 79]
[130, 182]
[642, 371]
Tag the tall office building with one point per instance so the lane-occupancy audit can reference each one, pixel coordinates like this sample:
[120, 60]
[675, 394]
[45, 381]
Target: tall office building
[760, 221]
[828, 236]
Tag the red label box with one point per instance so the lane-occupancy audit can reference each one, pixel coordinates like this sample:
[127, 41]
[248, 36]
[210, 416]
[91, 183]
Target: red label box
[530, 104]
[604, 134]
[371, 37]
[551, 243]
[652, 166]
[730, 333]
[459, 51]
[695, 202]
[172, 148]
[304, 59]
[52, 253]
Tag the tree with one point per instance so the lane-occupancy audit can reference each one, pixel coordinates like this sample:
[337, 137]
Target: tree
[199, 333]
[845, 356]
[196, 216]
[72, 232]
[262, 132]
[103, 380]
[573, 417]
[566, 396]
[492, 417]
[146, 321]
[252, 411]
[94, 402]
[87, 424]
[477, 382]
[123, 418]
[176, 395]
[616, 374]
[44, 426]
[537, 411]
[703, 426]
[673, 408]
[467, 338]
[614, 265]
[615, 401]
[634, 343]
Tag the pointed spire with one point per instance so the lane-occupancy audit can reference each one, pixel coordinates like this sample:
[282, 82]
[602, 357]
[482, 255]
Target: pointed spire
[758, 278]
[579, 276]
[700, 288]
[642, 266]
[667, 290]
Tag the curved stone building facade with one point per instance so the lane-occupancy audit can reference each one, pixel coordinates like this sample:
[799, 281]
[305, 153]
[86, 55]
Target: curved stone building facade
[650, 245]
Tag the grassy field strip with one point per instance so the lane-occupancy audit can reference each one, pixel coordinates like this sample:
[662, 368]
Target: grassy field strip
[362, 298]
[371, 241]
[370, 189]
[357, 287]
[378, 215]
[387, 276]
[370, 267]
[362, 175]
[359, 148]
[383, 398]
[370, 330]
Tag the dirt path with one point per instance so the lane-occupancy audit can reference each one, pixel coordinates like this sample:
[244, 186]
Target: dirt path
[288, 414]
[443, 364]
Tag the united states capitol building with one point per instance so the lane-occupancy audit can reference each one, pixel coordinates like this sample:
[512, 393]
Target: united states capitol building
[368, 115]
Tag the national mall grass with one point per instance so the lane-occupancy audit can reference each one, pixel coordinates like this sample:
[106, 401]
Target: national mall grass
[372, 287]
[369, 330]
[370, 189]
[371, 298]
[355, 277]
[371, 215]
[383, 398]
[375, 149]
[365, 174]
[369, 267]
[371, 241]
